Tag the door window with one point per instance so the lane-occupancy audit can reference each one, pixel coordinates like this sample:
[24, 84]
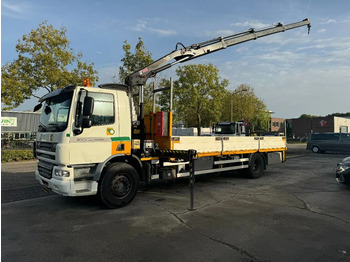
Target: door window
[103, 113]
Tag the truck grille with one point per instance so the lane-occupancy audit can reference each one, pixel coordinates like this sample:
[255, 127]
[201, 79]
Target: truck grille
[52, 157]
[51, 147]
[45, 169]
[46, 150]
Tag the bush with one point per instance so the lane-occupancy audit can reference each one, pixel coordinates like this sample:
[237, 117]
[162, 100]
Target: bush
[16, 155]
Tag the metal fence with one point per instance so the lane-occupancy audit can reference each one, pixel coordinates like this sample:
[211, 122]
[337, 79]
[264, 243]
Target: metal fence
[12, 141]
[7, 144]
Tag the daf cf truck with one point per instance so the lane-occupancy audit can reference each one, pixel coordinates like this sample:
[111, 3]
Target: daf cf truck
[91, 141]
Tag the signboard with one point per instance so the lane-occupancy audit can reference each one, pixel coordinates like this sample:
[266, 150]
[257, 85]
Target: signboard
[323, 123]
[9, 121]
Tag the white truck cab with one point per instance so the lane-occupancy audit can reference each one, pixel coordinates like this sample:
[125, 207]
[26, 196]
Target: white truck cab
[81, 128]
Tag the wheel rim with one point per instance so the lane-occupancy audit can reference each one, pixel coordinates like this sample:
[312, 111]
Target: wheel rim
[315, 149]
[120, 186]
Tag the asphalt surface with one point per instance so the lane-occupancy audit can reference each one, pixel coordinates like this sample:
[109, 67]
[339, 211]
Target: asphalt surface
[18, 182]
[295, 212]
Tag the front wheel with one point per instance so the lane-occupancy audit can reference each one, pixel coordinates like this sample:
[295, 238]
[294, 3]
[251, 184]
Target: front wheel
[118, 186]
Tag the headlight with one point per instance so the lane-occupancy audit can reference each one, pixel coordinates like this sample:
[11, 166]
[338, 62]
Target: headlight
[342, 168]
[62, 173]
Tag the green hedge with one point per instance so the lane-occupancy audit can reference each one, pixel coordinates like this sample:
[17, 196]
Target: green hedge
[16, 155]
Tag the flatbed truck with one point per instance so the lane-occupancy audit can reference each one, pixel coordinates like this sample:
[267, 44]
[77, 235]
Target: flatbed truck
[91, 141]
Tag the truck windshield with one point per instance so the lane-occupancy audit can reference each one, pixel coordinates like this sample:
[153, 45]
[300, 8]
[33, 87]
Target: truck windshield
[225, 129]
[54, 116]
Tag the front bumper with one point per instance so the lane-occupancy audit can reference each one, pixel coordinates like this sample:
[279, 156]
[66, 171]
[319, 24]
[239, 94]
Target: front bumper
[68, 187]
[343, 176]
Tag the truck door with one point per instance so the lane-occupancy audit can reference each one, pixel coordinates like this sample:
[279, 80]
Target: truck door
[102, 138]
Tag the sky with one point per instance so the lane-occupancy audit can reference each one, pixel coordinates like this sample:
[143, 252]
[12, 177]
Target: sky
[292, 72]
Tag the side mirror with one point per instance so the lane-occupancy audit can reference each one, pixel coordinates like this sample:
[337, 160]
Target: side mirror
[37, 107]
[88, 106]
[88, 109]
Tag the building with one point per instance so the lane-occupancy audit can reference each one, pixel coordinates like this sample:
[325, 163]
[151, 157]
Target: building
[300, 128]
[18, 126]
[278, 126]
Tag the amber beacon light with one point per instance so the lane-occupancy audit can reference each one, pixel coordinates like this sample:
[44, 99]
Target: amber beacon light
[87, 82]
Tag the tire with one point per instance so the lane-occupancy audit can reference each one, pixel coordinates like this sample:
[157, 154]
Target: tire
[316, 149]
[256, 166]
[118, 186]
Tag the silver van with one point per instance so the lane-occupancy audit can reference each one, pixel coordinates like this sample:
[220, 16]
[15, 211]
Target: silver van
[321, 142]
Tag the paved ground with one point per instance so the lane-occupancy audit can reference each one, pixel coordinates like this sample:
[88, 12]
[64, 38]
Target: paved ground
[295, 212]
[18, 182]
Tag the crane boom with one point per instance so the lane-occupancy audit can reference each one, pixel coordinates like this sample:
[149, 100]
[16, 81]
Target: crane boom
[184, 54]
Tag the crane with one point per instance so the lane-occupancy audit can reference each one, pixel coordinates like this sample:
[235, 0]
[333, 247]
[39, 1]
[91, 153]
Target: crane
[184, 54]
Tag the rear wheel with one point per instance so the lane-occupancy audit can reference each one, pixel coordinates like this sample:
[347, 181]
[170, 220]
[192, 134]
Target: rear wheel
[256, 166]
[118, 186]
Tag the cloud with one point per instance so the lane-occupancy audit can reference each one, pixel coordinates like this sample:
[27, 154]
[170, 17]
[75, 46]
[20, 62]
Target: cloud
[13, 10]
[12, 7]
[108, 73]
[297, 37]
[309, 77]
[328, 21]
[292, 82]
[218, 33]
[251, 24]
[280, 39]
[281, 56]
[294, 86]
[335, 50]
[142, 25]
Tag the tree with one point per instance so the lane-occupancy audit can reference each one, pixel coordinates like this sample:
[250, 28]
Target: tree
[163, 98]
[45, 61]
[340, 114]
[198, 94]
[134, 61]
[308, 116]
[329, 115]
[244, 104]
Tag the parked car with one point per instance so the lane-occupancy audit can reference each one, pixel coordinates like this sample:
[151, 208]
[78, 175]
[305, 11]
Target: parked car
[343, 171]
[321, 142]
